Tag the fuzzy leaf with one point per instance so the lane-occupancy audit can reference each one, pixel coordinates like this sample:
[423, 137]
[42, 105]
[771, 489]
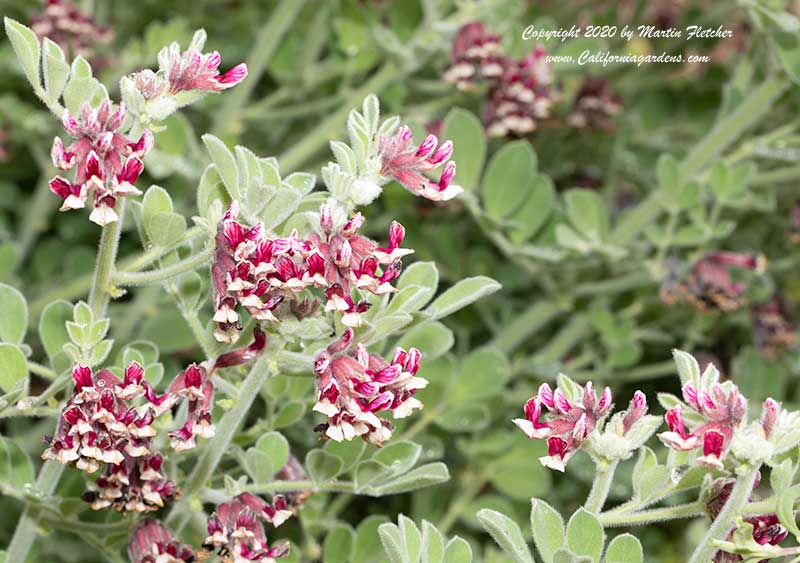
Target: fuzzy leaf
[13, 316]
[323, 466]
[464, 293]
[624, 548]
[339, 542]
[506, 534]
[225, 162]
[26, 47]
[585, 535]
[506, 183]
[469, 145]
[52, 331]
[13, 366]
[548, 529]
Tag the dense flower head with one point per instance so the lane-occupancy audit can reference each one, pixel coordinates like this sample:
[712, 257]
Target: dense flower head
[567, 424]
[354, 387]
[194, 70]
[595, 105]
[407, 164]
[74, 31]
[152, 542]
[260, 273]
[522, 97]
[236, 530]
[109, 422]
[106, 163]
[711, 283]
[101, 426]
[476, 55]
[722, 410]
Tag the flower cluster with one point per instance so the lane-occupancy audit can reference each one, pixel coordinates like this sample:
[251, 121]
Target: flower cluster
[722, 410]
[767, 529]
[106, 163]
[260, 273]
[595, 105]
[100, 426]
[711, 284]
[353, 388]
[407, 164]
[65, 24]
[194, 70]
[152, 542]
[522, 96]
[236, 530]
[476, 54]
[567, 425]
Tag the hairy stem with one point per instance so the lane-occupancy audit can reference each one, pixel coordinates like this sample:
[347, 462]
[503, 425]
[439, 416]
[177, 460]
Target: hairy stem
[162, 274]
[615, 518]
[99, 294]
[601, 485]
[726, 519]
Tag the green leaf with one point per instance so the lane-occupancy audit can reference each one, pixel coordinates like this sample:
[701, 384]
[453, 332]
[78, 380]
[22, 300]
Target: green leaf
[13, 366]
[624, 548]
[349, 452]
[276, 446]
[289, 413]
[483, 374]
[506, 183]
[225, 162]
[785, 509]
[469, 417]
[432, 543]
[54, 69]
[423, 476]
[585, 535]
[156, 200]
[339, 543]
[515, 476]
[669, 180]
[26, 47]
[432, 339]
[469, 145]
[16, 469]
[412, 539]
[14, 316]
[457, 550]
[464, 293]
[548, 529]
[82, 90]
[323, 466]
[399, 457]
[506, 533]
[165, 229]
[422, 275]
[587, 212]
[536, 210]
[259, 465]
[52, 331]
[368, 546]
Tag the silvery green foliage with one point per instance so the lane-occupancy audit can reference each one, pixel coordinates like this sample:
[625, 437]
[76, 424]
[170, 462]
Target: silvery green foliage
[355, 178]
[53, 79]
[405, 543]
[581, 541]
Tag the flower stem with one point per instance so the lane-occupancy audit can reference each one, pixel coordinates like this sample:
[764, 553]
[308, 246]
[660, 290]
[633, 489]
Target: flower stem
[162, 274]
[725, 521]
[226, 429]
[601, 486]
[616, 518]
[25, 533]
[99, 294]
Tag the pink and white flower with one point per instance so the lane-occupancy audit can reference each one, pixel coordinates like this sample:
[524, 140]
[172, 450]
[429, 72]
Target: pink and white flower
[353, 388]
[106, 163]
[260, 273]
[408, 164]
[152, 542]
[723, 410]
[236, 529]
[568, 424]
